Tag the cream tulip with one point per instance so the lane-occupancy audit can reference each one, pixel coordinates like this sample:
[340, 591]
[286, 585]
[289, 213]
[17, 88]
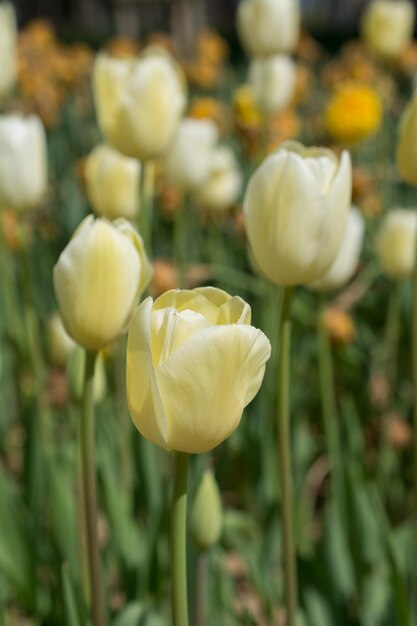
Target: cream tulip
[346, 261]
[268, 26]
[189, 156]
[396, 243]
[273, 81]
[406, 152]
[387, 27]
[139, 102]
[8, 48]
[112, 183]
[98, 280]
[222, 187]
[296, 206]
[23, 165]
[193, 363]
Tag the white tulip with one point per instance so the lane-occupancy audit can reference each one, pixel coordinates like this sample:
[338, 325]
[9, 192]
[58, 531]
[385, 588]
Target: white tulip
[189, 156]
[273, 82]
[296, 206]
[268, 26]
[23, 162]
[387, 27]
[8, 48]
[139, 102]
[112, 183]
[396, 243]
[346, 261]
[222, 187]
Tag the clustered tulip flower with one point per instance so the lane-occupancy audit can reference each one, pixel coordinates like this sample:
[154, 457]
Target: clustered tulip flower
[139, 102]
[273, 81]
[112, 183]
[223, 184]
[8, 48]
[296, 205]
[98, 280]
[396, 243]
[387, 27]
[268, 26]
[23, 162]
[193, 363]
[346, 261]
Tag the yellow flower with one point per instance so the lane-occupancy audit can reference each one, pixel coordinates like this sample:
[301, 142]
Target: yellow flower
[193, 363]
[247, 113]
[353, 113]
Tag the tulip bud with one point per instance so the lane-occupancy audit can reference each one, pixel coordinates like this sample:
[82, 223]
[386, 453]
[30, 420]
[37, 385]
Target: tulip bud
[296, 206]
[8, 51]
[222, 187]
[396, 243]
[273, 81]
[189, 156]
[346, 261]
[406, 153]
[112, 182]
[139, 102]
[193, 363]
[387, 27]
[23, 169]
[59, 343]
[76, 374]
[98, 280]
[268, 26]
[206, 513]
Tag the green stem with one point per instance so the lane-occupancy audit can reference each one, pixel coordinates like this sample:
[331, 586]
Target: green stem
[284, 452]
[146, 204]
[179, 600]
[89, 491]
[200, 603]
[329, 409]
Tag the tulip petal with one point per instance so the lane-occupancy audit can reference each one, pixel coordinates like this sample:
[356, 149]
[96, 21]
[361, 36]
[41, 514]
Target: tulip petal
[145, 405]
[192, 383]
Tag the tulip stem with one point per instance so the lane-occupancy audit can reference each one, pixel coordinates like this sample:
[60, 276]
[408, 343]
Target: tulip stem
[146, 204]
[179, 600]
[89, 491]
[284, 454]
[200, 604]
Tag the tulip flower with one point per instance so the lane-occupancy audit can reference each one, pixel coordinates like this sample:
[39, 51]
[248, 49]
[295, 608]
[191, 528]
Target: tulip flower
[222, 187]
[396, 243]
[23, 168]
[98, 280]
[268, 26]
[139, 102]
[206, 513]
[406, 153]
[193, 363]
[189, 156]
[273, 81]
[8, 48]
[346, 261]
[387, 27]
[112, 183]
[296, 206]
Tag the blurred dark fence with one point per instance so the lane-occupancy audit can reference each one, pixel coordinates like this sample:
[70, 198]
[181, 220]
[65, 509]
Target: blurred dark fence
[137, 17]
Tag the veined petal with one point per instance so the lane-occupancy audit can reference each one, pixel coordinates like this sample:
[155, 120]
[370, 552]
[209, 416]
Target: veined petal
[192, 383]
[143, 397]
[170, 329]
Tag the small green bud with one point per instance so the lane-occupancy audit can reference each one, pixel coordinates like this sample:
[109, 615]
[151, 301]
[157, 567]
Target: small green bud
[75, 375]
[206, 513]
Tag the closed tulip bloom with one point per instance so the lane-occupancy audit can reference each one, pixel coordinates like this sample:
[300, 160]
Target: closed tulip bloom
[406, 153]
[396, 243]
[193, 363]
[222, 187]
[112, 183]
[206, 518]
[346, 261]
[8, 48]
[273, 81]
[296, 206]
[23, 168]
[98, 280]
[268, 26]
[387, 27]
[139, 102]
[189, 156]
